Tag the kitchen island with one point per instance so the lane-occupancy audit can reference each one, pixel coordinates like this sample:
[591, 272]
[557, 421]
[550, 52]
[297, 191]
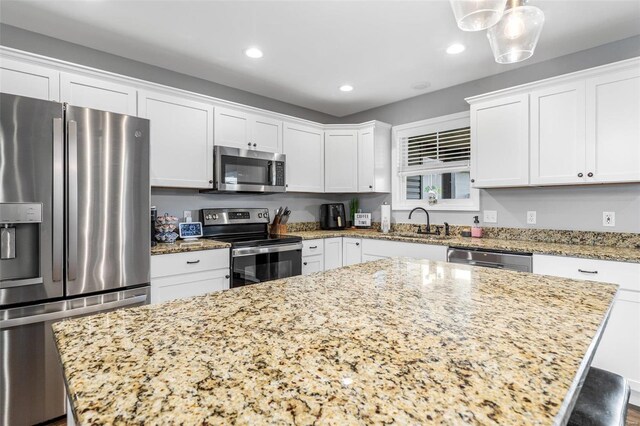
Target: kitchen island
[410, 341]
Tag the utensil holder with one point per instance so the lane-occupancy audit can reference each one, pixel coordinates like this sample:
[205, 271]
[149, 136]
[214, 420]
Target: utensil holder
[278, 229]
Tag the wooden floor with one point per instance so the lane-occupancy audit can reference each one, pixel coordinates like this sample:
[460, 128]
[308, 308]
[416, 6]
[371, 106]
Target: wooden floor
[633, 418]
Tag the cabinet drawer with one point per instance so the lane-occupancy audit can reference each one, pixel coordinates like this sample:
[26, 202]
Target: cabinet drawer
[311, 264]
[188, 285]
[183, 263]
[311, 247]
[626, 275]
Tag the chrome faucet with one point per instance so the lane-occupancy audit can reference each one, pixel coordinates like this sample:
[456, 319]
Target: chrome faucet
[428, 231]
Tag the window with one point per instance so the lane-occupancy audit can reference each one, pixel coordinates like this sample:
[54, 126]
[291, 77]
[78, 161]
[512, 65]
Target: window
[432, 165]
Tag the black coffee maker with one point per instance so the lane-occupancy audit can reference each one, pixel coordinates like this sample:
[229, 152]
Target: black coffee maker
[332, 216]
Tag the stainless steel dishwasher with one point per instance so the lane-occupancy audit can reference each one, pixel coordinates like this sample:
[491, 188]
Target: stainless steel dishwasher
[491, 258]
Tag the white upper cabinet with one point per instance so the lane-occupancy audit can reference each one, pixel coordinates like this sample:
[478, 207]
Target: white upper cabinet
[304, 148]
[247, 131]
[104, 95]
[341, 160]
[181, 140]
[374, 158]
[500, 142]
[613, 127]
[33, 81]
[584, 128]
[558, 134]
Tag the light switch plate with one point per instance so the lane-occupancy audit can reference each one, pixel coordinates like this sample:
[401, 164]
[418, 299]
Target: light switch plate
[187, 215]
[531, 217]
[608, 218]
[490, 216]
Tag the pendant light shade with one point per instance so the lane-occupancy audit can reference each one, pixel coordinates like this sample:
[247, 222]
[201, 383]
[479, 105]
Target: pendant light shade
[477, 15]
[514, 38]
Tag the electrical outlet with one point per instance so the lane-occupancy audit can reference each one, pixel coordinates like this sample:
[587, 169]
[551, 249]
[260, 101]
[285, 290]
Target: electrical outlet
[490, 216]
[531, 217]
[608, 218]
[187, 215]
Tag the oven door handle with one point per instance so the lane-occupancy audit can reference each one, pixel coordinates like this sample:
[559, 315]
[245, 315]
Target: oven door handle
[252, 251]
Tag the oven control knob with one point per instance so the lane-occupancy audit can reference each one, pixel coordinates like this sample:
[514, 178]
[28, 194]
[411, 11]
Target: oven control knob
[259, 215]
[208, 217]
[214, 216]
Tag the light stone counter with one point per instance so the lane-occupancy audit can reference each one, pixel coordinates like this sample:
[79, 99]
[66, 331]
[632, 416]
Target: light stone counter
[397, 340]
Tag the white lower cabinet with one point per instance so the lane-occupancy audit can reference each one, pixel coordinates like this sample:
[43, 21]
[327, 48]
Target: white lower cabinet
[351, 251]
[312, 256]
[619, 349]
[180, 275]
[332, 253]
[381, 249]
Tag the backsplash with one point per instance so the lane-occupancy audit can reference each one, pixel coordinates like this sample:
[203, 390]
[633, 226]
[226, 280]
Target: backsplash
[590, 238]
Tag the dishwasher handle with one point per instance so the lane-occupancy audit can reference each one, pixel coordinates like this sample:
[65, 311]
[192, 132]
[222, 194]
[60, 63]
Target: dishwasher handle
[486, 264]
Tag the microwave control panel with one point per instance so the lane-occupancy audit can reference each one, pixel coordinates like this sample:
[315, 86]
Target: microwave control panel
[279, 173]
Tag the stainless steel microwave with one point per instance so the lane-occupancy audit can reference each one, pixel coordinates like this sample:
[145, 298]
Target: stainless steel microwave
[246, 170]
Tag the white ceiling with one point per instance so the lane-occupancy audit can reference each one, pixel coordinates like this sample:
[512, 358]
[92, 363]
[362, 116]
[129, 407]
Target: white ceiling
[312, 47]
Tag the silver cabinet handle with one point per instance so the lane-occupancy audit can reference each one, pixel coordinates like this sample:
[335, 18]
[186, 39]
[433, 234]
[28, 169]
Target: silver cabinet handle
[193, 262]
[57, 225]
[587, 272]
[52, 316]
[72, 199]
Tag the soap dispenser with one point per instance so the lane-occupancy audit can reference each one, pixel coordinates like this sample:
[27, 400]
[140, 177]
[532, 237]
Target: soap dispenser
[476, 230]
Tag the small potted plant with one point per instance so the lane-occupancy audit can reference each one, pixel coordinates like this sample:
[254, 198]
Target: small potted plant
[354, 205]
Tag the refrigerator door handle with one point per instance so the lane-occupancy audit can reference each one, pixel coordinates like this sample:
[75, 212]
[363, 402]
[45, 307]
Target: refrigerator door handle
[53, 316]
[57, 227]
[72, 199]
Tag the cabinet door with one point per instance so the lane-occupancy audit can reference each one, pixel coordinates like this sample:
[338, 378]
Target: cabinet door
[89, 92]
[351, 251]
[188, 285]
[311, 264]
[33, 81]
[181, 140]
[266, 134]
[341, 161]
[558, 135]
[232, 128]
[366, 160]
[500, 142]
[304, 148]
[332, 253]
[619, 349]
[613, 127]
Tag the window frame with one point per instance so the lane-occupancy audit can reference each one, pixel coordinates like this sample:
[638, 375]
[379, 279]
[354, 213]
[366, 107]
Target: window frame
[398, 184]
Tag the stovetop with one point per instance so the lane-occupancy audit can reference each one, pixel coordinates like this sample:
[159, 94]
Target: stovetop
[255, 240]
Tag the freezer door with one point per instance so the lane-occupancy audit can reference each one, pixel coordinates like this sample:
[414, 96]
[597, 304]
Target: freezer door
[108, 195]
[31, 199]
[31, 384]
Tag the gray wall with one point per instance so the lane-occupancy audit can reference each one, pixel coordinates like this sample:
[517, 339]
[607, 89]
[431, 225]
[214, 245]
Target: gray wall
[304, 207]
[29, 41]
[451, 100]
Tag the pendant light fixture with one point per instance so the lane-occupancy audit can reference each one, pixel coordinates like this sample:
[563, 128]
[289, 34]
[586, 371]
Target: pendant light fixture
[514, 38]
[477, 15]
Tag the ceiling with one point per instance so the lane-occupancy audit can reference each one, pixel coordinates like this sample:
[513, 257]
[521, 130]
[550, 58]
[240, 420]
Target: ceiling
[311, 48]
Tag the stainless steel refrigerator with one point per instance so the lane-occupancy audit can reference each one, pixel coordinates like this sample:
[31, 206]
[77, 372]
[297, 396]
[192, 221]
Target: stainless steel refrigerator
[74, 237]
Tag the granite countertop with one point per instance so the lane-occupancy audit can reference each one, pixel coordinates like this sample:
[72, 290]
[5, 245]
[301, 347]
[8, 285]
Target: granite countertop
[404, 340]
[186, 246]
[621, 254]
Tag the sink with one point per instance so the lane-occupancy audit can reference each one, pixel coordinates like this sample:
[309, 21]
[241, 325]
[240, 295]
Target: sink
[420, 236]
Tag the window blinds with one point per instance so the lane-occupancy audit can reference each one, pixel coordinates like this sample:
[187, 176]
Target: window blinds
[446, 151]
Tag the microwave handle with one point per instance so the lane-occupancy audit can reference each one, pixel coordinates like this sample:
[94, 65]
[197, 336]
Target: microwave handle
[271, 171]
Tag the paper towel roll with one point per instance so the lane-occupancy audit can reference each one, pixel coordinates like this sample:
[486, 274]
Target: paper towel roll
[385, 217]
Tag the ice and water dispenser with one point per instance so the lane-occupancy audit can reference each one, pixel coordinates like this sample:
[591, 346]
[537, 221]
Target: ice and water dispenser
[20, 244]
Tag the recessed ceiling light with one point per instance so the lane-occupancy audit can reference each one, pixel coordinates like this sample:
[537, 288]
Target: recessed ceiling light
[346, 88]
[253, 52]
[421, 85]
[456, 48]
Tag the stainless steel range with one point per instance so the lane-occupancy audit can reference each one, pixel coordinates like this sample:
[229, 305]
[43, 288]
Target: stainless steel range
[255, 255]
